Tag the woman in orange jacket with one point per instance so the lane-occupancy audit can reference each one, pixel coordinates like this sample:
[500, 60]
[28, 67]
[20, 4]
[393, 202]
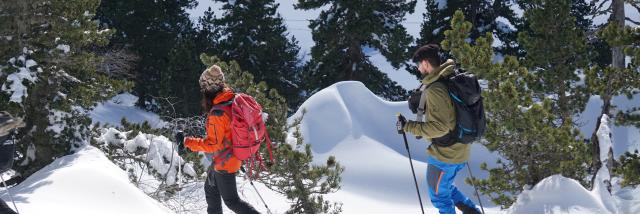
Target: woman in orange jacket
[221, 178]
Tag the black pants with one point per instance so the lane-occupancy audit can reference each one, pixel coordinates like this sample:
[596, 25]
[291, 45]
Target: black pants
[221, 184]
[4, 208]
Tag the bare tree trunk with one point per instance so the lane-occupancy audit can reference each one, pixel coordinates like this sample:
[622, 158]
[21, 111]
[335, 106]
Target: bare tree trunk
[618, 18]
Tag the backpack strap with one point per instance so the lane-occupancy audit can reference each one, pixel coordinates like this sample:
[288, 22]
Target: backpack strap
[422, 105]
[219, 108]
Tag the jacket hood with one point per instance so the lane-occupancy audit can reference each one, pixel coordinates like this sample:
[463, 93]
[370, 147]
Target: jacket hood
[445, 69]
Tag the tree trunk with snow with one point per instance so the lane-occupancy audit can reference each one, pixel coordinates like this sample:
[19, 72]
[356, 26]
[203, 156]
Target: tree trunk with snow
[617, 62]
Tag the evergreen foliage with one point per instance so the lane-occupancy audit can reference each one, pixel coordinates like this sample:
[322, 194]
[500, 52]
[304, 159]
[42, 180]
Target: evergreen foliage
[345, 34]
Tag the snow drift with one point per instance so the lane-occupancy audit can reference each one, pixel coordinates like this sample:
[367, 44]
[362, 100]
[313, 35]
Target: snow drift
[557, 194]
[123, 106]
[84, 182]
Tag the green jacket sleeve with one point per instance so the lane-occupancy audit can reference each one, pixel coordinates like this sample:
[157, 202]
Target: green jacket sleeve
[440, 116]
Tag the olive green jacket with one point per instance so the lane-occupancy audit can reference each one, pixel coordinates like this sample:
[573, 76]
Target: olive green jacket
[440, 117]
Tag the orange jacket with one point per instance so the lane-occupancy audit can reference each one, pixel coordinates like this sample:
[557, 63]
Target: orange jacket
[218, 138]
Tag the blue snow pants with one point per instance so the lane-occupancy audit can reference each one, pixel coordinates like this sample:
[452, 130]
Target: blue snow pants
[444, 195]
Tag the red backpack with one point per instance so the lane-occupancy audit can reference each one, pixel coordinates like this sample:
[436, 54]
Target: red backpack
[248, 131]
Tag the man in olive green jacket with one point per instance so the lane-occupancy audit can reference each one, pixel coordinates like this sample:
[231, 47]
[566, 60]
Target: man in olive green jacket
[440, 119]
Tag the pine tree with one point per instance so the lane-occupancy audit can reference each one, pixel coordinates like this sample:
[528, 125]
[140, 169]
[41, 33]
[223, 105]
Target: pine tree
[292, 173]
[629, 169]
[179, 91]
[344, 30]
[161, 34]
[255, 36]
[555, 49]
[210, 32]
[630, 40]
[50, 55]
[483, 14]
[521, 128]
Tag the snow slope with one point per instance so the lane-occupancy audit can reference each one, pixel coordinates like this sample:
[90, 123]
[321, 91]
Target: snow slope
[88, 182]
[551, 196]
[123, 106]
[85, 182]
[346, 120]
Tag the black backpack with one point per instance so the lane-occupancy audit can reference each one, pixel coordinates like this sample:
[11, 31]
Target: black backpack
[466, 95]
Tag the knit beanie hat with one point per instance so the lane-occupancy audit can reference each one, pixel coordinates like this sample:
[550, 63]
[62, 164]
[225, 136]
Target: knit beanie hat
[212, 79]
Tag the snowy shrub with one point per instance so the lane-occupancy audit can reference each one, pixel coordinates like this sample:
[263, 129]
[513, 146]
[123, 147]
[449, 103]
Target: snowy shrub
[629, 168]
[152, 160]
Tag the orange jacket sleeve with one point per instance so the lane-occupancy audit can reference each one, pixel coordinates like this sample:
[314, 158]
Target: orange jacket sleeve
[218, 129]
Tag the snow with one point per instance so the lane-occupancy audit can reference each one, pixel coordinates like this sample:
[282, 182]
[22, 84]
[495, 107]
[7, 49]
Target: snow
[30, 63]
[64, 48]
[25, 73]
[604, 138]
[160, 151]
[84, 182]
[31, 155]
[123, 106]
[504, 25]
[57, 121]
[557, 194]
[345, 120]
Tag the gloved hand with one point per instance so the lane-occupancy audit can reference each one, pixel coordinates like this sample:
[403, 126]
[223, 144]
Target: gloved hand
[400, 124]
[180, 142]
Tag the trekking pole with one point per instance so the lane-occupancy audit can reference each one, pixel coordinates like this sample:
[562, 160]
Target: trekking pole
[10, 195]
[180, 181]
[474, 187]
[179, 134]
[256, 189]
[406, 144]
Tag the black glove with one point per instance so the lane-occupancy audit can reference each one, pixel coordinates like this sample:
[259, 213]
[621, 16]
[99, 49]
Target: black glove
[180, 142]
[400, 124]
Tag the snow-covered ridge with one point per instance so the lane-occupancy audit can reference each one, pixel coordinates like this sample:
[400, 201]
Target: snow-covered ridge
[84, 182]
[123, 106]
